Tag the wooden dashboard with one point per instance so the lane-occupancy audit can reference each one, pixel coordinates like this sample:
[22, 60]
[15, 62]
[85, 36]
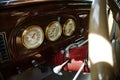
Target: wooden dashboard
[18, 22]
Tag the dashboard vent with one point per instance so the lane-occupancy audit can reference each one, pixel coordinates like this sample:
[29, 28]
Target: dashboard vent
[4, 55]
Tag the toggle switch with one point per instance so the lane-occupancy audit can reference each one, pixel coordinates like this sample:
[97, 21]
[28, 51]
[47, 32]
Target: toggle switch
[37, 65]
[18, 70]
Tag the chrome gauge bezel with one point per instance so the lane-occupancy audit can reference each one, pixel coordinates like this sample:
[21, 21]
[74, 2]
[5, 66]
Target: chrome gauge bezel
[71, 28]
[39, 36]
[53, 35]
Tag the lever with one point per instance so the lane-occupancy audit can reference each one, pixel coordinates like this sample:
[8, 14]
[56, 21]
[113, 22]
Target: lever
[58, 68]
[74, 45]
[80, 69]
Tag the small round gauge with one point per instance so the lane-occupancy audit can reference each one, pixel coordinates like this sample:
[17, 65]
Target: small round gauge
[69, 27]
[53, 31]
[32, 37]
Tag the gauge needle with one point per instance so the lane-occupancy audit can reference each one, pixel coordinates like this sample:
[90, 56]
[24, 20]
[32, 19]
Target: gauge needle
[53, 31]
[33, 36]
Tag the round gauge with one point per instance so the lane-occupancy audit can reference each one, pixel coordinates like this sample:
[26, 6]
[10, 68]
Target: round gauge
[32, 37]
[69, 27]
[53, 31]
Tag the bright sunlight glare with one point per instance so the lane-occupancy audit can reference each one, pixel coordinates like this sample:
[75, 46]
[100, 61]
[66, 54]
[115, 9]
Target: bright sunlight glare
[100, 49]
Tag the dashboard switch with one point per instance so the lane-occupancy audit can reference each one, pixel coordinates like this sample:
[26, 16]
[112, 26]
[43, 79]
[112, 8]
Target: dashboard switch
[37, 65]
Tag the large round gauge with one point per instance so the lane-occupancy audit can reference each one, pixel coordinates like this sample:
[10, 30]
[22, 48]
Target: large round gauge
[32, 37]
[69, 27]
[53, 31]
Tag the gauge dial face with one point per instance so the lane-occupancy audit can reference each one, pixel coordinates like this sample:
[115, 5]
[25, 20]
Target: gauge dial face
[53, 31]
[32, 37]
[69, 27]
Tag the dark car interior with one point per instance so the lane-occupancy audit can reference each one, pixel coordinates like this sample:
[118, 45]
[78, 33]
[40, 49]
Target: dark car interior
[59, 40]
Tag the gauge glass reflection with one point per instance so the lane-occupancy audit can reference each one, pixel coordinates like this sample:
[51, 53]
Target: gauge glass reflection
[32, 37]
[53, 31]
[69, 27]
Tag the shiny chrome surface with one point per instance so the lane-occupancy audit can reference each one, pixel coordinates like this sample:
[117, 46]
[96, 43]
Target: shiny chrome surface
[100, 49]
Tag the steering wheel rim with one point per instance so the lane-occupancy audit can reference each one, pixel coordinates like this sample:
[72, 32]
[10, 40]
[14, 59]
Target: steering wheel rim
[100, 48]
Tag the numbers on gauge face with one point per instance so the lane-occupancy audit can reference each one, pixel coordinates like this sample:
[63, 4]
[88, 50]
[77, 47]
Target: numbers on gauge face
[53, 31]
[69, 27]
[32, 37]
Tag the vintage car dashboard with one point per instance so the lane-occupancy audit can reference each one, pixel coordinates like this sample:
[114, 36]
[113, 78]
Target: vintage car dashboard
[36, 30]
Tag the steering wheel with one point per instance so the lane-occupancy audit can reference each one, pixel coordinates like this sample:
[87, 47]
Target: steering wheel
[102, 57]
